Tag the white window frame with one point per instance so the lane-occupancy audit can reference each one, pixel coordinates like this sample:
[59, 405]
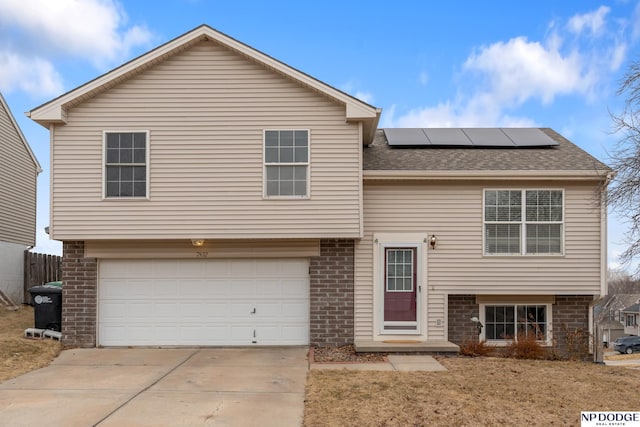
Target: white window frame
[104, 164]
[265, 165]
[504, 342]
[523, 224]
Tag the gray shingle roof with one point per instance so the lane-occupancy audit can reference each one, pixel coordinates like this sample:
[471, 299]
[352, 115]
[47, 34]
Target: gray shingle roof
[566, 156]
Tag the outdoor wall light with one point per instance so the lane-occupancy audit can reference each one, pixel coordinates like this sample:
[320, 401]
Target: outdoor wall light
[433, 240]
[478, 323]
[198, 243]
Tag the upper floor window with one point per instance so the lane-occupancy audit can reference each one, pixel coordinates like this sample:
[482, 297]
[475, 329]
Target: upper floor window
[631, 320]
[523, 221]
[125, 164]
[286, 160]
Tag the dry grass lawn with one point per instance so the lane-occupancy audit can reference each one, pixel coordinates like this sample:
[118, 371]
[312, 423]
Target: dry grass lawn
[19, 355]
[472, 392]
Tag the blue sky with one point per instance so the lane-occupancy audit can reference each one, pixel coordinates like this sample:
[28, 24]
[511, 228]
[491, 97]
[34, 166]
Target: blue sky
[458, 63]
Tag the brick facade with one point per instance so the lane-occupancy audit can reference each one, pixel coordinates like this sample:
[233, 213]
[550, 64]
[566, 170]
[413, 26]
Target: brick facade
[332, 286]
[461, 309]
[331, 311]
[570, 314]
[79, 296]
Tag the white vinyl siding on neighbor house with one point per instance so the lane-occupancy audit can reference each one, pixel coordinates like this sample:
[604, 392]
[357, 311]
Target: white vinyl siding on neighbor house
[18, 176]
[453, 211]
[206, 109]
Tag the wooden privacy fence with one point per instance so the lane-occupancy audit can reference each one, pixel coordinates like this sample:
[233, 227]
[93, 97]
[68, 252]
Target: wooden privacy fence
[40, 269]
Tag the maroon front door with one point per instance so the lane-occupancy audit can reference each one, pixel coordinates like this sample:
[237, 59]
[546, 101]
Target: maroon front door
[400, 285]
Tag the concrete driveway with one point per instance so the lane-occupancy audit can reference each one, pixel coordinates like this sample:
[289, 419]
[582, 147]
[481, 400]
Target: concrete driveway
[161, 387]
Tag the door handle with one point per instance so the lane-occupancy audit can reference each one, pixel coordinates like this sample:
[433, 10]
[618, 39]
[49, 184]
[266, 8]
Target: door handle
[254, 311]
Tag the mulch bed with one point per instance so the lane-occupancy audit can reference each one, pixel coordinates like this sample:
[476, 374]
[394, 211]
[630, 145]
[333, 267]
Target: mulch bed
[343, 354]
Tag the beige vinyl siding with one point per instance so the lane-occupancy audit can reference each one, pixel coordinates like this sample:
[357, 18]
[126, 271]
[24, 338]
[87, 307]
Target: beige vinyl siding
[453, 212]
[18, 175]
[205, 110]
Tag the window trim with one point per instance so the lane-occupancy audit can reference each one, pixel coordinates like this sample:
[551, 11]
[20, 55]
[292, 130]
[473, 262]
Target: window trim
[503, 342]
[104, 163]
[523, 223]
[265, 165]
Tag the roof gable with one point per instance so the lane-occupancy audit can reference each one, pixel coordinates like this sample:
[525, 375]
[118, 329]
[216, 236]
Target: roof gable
[55, 111]
[4, 109]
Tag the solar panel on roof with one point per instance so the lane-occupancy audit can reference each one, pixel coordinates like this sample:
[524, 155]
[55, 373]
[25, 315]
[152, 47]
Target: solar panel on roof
[529, 137]
[468, 137]
[447, 136]
[488, 137]
[406, 136]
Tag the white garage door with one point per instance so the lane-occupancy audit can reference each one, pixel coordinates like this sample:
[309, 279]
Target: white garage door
[203, 302]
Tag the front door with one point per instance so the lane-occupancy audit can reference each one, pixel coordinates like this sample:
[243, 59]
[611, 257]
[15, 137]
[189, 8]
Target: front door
[400, 296]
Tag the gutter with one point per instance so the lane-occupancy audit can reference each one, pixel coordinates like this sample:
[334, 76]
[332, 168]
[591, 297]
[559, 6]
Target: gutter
[449, 175]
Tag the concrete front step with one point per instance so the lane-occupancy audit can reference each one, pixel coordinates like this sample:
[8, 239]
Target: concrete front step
[404, 346]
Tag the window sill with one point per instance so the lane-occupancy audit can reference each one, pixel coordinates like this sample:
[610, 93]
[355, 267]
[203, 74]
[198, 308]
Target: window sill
[286, 197]
[550, 255]
[125, 198]
[505, 343]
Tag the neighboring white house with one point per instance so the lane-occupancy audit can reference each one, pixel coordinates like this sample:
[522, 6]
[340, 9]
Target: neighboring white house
[631, 319]
[19, 171]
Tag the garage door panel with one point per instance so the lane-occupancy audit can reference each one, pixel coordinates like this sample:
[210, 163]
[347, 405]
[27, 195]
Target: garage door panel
[203, 302]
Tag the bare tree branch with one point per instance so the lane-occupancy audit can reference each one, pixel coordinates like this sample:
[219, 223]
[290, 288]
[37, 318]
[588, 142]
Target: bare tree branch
[624, 193]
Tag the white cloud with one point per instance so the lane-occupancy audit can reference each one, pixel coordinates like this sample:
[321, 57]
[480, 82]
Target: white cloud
[89, 28]
[501, 77]
[350, 88]
[364, 96]
[593, 22]
[519, 70]
[479, 112]
[35, 76]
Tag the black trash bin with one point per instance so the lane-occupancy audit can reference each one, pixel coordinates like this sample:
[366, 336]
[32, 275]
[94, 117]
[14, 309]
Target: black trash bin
[47, 306]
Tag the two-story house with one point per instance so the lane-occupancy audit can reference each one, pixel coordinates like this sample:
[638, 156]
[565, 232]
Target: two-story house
[19, 171]
[208, 194]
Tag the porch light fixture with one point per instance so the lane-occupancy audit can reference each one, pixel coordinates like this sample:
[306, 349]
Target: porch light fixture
[197, 243]
[478, 323]
[433, 240]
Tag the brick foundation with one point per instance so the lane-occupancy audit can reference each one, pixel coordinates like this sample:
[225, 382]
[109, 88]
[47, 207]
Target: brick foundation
[79, 296]
[461, 309]
[570, 316]
[332, 284]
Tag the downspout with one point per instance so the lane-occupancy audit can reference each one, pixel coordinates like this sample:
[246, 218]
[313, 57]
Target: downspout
[594, 330]
[604, 235]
